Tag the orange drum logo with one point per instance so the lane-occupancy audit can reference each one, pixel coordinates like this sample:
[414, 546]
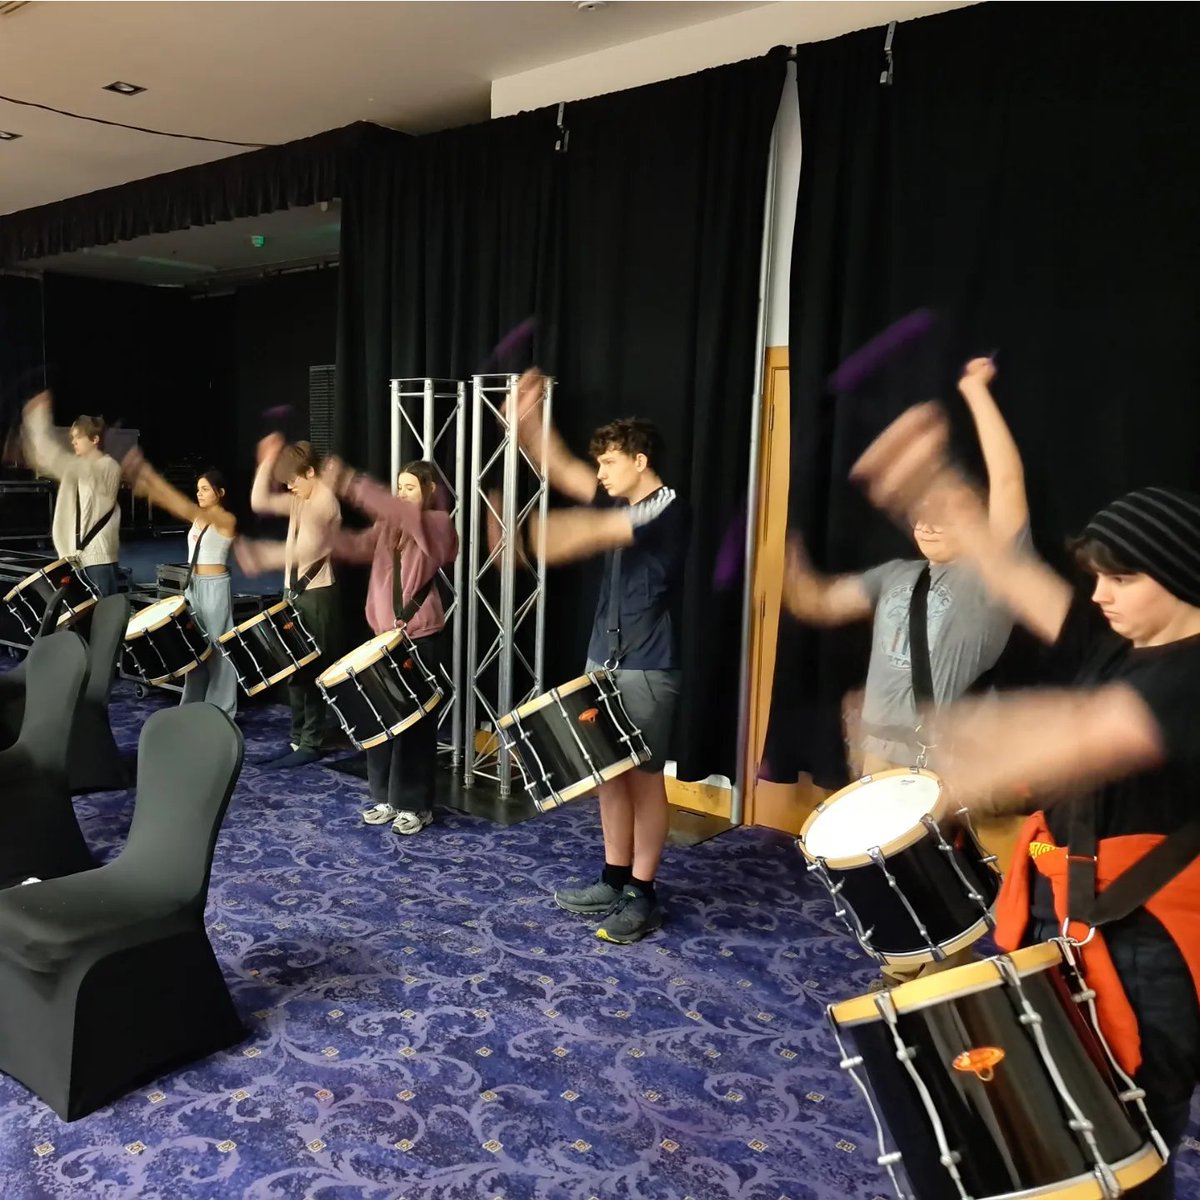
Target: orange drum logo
[589, 715]
[288, 625]
[981, 1061]
[408, 664]
[64, 581]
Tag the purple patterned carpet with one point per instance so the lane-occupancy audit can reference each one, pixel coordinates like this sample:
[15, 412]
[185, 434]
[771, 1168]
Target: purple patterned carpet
[424, 1023]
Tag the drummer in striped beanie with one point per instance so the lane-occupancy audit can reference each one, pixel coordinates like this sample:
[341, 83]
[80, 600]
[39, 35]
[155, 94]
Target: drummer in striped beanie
[1113, 759]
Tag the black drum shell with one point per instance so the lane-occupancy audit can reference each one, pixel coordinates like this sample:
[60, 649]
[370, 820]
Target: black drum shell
[1009, 1126]
[395, 687]
[546, 736]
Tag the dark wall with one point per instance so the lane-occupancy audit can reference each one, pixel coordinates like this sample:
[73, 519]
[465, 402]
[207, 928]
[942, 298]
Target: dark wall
[194, 374]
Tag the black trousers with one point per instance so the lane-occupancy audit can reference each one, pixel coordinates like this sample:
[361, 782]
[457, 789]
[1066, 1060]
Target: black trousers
[1160, 989]
[402, 772]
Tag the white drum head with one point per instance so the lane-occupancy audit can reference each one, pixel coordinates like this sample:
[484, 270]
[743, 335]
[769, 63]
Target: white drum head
[147, 617]
[359, 657]
[871, 814]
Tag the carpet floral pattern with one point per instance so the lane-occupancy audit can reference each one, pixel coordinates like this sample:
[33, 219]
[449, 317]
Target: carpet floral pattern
[422, 1022]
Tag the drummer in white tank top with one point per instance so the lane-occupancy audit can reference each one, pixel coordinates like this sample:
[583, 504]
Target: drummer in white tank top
[209, 592]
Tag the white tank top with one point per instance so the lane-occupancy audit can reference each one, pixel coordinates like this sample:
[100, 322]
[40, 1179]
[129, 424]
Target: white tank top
[214, 547]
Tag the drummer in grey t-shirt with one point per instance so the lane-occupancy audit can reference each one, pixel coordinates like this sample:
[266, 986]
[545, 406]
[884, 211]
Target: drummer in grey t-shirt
[967, 630]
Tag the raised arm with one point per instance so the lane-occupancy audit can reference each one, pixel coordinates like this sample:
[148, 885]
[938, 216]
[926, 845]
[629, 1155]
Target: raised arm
[1008, 506]
[43, 448]
[906, 473]
[817, 599]
[355, 545]
[574, 533]
[146, 481]
[990, 752]
[431, 529]
[566, 474]
[263, 498]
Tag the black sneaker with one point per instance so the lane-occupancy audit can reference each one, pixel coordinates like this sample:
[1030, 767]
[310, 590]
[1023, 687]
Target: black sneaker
[634, 916]
[596, 900]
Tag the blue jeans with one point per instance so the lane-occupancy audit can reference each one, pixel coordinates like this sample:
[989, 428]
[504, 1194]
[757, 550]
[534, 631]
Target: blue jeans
[1160, 989]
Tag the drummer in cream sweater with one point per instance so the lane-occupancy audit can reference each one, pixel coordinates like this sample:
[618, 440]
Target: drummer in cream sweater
[87, 518]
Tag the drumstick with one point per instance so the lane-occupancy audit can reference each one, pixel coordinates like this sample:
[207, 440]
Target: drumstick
[505, 349]
[868, 359]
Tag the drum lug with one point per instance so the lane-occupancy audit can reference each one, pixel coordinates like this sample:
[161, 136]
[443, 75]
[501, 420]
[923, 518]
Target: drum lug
[1109, 1187]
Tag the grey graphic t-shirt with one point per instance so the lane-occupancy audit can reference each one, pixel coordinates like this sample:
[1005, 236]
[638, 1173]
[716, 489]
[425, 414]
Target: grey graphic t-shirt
[967, 632]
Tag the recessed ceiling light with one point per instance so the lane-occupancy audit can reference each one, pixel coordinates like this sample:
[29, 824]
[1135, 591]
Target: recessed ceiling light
[123, 89]
[5, 136]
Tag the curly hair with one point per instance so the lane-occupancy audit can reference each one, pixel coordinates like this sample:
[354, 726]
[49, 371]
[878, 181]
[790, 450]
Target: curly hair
[629, 435]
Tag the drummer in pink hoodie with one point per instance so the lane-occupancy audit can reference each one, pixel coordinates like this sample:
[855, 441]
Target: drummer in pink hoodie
[407, 545]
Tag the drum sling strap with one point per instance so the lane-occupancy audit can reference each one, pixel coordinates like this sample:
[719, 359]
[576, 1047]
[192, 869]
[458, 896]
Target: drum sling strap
[918, 642]
[613, 612]
[83, 540]
[301, 585]
[1133, 887]
[405, 610]
[187, 583]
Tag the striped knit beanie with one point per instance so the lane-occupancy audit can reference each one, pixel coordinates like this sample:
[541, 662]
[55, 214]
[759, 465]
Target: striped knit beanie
[1157, 531]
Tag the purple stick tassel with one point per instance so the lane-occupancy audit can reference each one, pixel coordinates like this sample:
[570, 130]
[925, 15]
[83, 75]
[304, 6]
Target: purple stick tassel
[865, 361]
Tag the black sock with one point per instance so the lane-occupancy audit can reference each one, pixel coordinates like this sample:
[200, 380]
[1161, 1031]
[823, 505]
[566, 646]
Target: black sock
[616, 877]
[645, 886]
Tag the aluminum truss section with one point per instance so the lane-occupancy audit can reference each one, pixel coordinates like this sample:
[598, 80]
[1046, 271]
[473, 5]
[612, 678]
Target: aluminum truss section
[429, 421]
[506, 619]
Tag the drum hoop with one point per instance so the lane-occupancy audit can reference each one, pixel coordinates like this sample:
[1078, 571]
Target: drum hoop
[159, 680]
[547, 698]
[75, 611]
[947, 985]
[254, 620]
[171, 615]
[339, 673]
[42, 571]
[902, 841]
[589, 784]
[379, 738]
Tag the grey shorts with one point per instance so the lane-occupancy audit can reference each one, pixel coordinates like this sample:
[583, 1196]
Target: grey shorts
[650, 698]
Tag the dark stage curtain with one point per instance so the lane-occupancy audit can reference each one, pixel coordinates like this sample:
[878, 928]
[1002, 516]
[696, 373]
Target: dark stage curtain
[302, 172]
[1029, 176]
[639, 251]
[447, 242]
[22, 360]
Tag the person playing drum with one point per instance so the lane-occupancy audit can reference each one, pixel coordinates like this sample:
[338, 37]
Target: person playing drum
[410, 541]
[209, 591]
[642, 527]
[1113, 758]
[87, 517]
[314, 518]
[966, 628]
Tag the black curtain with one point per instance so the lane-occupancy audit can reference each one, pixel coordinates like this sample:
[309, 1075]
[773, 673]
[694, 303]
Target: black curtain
[302, 172]
[1028, 176]
[638, 248]
[447, 243]
[22, 358]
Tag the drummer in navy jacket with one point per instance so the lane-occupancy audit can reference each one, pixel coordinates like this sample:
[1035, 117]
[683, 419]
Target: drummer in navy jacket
[642, 528]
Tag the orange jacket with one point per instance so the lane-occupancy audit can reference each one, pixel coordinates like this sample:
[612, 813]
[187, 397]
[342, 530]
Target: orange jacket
[1176, 906]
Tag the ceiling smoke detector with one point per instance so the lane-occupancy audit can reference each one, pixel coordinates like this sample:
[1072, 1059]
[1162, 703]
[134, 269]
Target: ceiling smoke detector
[123, 89]
[590, 5]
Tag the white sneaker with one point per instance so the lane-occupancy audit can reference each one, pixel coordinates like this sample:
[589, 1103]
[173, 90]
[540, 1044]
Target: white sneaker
[381, 814]
[411, 822]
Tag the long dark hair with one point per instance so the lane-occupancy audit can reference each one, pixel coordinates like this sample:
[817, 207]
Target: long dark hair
[216, 481]
[426, 475]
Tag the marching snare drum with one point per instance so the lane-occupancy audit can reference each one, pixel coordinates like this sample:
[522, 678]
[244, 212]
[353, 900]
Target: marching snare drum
[380, 688]
[573, 738]
[163, 641]
[31, 597]
[992, 1082]
[268, 647]
[905, 871]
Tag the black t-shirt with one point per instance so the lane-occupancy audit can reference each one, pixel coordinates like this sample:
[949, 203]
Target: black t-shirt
[1167, 678]
[650, 586]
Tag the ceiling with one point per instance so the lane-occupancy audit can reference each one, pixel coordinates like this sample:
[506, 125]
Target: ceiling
[267, 72]
[209, 256]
